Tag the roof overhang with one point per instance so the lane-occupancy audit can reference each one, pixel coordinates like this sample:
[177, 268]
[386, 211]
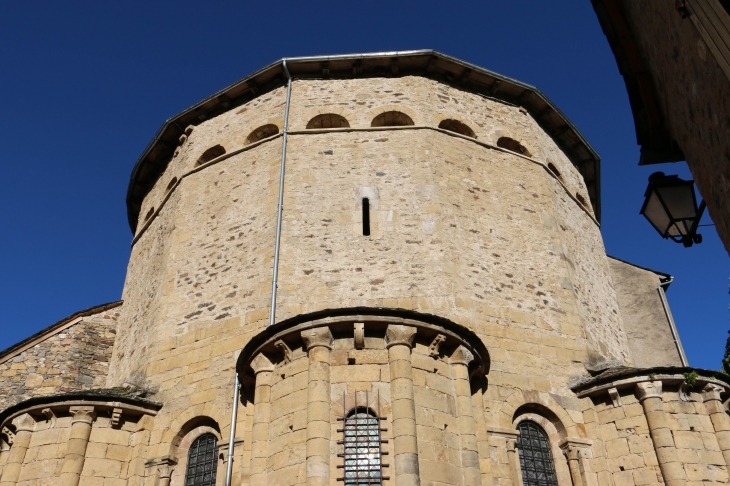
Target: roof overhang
[427, 63]
[652, 132]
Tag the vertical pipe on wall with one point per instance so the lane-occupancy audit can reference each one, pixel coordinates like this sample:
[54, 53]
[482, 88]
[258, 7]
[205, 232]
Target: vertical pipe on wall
[234, 416]
[672, 325]
[277, 244]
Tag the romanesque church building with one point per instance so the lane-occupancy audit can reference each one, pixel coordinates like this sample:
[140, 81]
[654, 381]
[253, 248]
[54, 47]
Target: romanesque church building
[378, 269]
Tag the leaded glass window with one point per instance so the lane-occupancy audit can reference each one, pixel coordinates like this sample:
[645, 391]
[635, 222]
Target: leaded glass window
[536, 460]
[362, 448]
[202, 462]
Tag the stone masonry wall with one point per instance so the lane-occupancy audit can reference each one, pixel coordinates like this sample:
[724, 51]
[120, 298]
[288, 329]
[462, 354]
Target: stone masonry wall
[76, 358]
[486, 238]
[694, 94]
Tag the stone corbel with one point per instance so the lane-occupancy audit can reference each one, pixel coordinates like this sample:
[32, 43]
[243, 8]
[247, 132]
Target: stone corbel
[359, 335]
[116, 417]
[9, 434]
[648, 389]
[285, 351]
[433, 348]
[462, 356]
[318, 336]
[261, 363]
[50, 416]
[397, 334]
[615, 397]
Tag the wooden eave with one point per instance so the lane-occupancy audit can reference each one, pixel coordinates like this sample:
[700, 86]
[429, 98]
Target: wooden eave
[427, 63]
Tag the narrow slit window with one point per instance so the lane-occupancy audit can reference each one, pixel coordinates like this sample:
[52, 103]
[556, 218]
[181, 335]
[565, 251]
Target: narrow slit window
[366, 216]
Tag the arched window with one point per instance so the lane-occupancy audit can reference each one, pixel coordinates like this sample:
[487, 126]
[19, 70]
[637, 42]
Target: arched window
[362, 448]
[328, 120]
[536, 460]
[171, 184]
[392, 119]
[457, 126]
[202, 462]
[210, 154]
[555, 170]
[513, 145]
[261, 133]
[149, 214]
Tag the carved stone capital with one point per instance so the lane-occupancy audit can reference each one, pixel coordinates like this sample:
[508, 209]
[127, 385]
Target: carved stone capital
[24, 423]
[573, 447]
[397, 334]
[511, 445]
[359, 334]
[462, 356]
[261, 363]
[712, 391]
[82, 414]
[318, 336]
[649, 389]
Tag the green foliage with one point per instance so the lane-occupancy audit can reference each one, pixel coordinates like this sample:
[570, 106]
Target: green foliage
[726, 359]
[691, 378]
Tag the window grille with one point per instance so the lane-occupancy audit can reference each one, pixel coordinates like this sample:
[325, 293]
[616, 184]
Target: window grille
[361, 440]
[202, 461]
[536, 460]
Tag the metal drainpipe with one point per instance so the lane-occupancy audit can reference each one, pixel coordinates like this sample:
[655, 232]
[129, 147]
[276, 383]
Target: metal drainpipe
[231, 439]
[672, 325]
[277, 244]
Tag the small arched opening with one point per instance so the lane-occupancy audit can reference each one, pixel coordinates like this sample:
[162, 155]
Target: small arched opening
[171, 184]
[392, 119]
[328, 120]
[210, 154]
[261, 133]
[149, 214]
[458, 127]
[581, 199]
[513, 146]
[555, 170]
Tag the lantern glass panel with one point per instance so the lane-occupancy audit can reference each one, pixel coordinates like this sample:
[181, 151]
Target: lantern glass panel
[656, 214]
[680, 200]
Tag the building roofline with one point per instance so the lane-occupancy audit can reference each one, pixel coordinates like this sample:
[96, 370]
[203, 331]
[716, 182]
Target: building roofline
[49, 331]
[428, 63]
[663, 276]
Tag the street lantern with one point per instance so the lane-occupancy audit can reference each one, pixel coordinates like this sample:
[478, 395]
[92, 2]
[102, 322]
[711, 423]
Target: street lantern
[671, 207]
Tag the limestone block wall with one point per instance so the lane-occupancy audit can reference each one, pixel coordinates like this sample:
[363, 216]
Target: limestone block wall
[459, 229]
[73, 354]
[66, 440]
[657, 426]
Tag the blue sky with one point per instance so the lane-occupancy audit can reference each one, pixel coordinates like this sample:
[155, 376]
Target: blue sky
[85, 86]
